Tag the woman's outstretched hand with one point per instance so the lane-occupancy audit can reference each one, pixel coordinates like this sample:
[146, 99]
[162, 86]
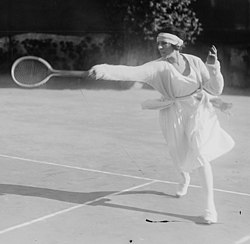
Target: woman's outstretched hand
[92, 73]
[96, 72]
[212, 55]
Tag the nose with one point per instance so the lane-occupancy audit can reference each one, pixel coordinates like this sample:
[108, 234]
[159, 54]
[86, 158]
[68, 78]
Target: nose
[160, 46]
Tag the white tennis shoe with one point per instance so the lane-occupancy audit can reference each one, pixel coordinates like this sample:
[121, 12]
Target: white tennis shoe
[182, 190]
[210, 216]
[183, 187]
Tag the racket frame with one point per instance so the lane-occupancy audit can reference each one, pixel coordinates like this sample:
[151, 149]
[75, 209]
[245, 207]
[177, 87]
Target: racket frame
[52, 72]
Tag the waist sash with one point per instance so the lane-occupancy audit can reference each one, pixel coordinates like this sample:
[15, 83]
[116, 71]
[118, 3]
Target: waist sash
[164, 103]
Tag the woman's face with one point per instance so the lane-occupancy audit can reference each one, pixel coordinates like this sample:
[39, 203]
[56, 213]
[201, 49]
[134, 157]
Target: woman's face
[165, 49]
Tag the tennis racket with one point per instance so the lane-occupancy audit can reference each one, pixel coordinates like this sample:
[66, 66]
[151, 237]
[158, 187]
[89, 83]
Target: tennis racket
[31, 71]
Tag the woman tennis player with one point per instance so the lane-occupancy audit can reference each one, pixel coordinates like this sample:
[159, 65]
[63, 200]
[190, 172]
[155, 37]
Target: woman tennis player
[189, 90]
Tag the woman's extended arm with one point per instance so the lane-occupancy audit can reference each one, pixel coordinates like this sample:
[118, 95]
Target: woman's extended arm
[142, 73]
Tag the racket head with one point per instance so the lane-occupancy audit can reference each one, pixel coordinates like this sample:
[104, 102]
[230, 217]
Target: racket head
[31, 71]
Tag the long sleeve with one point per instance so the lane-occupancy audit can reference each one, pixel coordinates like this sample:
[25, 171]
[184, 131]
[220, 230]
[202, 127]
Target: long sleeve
[212, 78]
[147, 72]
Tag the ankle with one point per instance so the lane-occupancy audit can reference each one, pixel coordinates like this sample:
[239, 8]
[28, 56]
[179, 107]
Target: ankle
[186, 178]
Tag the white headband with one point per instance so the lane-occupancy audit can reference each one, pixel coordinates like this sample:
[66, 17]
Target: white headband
[170, 38]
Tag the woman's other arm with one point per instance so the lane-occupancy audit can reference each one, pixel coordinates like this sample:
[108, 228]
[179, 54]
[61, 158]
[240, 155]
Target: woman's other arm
[212, 78]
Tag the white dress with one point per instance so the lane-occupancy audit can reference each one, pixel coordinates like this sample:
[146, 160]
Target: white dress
[187, 117]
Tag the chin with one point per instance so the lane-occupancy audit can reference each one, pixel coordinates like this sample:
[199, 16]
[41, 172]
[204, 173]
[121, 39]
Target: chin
[163, 55]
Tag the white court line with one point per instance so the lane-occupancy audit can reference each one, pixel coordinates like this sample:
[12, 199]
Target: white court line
[15, 227]
[243, 240]
[115, 174]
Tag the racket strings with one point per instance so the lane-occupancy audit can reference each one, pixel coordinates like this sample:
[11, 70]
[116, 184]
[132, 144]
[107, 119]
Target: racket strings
[31, 72]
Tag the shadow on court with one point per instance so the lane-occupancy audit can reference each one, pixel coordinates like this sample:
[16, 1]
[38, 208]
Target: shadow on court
[106, 203]
[85, 197]
[65, 196]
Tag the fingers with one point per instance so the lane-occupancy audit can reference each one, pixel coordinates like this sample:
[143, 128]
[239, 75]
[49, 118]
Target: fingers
[96, 72]
[213, 50]
[92, 73]
[212, 55]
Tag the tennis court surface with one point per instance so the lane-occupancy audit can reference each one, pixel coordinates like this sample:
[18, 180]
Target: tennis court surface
[91, 167]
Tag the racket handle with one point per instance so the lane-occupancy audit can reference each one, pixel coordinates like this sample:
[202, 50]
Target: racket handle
[70, 73]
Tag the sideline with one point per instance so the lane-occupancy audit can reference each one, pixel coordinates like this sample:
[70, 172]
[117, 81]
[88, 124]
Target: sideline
[115, 174]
